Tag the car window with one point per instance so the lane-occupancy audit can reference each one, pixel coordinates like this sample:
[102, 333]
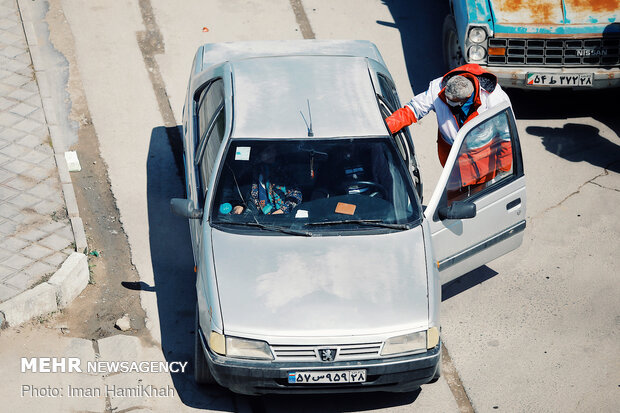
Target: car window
[209, 123]
[401, 144]
[390, 97]
[209, 154]
[485, 159]
[388, 91]
[210, 99]
[398, 137]
[329, 186]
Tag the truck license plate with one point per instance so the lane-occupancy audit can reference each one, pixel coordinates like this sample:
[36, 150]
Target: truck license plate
[564, 79]
[327, 377]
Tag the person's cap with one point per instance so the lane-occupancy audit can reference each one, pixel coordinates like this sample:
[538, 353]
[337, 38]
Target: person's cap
[459, 88]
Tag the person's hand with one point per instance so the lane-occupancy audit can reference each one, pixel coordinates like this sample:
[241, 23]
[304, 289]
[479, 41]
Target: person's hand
[401, 118]
[277, 212]
[237, 210]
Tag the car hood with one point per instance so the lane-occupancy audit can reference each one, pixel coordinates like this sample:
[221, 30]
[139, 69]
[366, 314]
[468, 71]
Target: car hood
[321, 286]
[552, 12]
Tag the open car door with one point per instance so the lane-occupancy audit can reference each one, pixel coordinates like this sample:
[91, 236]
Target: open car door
[477, 211]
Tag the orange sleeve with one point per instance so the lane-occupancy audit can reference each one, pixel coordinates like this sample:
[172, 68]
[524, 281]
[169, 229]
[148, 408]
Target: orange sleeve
[400, 118]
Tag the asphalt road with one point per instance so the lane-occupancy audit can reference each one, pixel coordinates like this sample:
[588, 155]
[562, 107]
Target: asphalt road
[536, 330]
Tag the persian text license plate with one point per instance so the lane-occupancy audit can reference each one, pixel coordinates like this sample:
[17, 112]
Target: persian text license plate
[564, 79]
[327, 377]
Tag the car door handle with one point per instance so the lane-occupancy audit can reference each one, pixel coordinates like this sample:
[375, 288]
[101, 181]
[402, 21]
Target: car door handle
[513, 204]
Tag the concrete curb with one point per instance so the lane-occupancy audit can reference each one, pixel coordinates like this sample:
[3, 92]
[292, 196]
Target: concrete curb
[73, 275]
[70, 279]
[56, 293]
[55, 128]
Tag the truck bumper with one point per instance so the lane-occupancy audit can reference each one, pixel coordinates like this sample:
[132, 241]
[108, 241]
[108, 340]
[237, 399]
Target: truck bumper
[516, 77]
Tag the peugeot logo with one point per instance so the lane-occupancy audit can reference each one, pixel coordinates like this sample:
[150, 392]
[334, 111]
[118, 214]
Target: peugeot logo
[327, 354]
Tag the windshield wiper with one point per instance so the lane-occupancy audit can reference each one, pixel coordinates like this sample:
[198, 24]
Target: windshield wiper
[367, 222]
[266, 227]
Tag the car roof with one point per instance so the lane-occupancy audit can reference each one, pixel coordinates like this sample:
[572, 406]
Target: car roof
[272, 93]
[213, 54]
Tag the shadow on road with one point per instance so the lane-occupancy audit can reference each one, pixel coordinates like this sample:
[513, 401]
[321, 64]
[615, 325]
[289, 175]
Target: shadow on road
[420, 25]
[359, 402]
[467, 281]
[579, 143]
[575, 142]
[173, 264]
[601, 105]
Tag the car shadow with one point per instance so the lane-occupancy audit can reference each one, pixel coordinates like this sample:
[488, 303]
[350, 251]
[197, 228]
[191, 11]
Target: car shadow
[357, 402]
[172, 262]
[420, 24]
[467, 281]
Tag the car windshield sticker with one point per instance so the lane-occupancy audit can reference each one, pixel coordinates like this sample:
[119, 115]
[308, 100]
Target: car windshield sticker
[301, 213]
[242, 153]
[347, 209]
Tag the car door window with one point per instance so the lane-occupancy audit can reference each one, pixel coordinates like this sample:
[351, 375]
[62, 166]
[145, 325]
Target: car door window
[402, 141]
[210, 132]
[210, 99]
[402, 138]
[397, 138]
[485, 159]
[209, 154]
[388, 91]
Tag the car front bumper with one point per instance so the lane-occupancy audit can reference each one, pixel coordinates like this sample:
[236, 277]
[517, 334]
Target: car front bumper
[516, 76]
[394, 374]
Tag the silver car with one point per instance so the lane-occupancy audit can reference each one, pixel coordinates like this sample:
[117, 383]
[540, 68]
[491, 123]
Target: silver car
[318, 268]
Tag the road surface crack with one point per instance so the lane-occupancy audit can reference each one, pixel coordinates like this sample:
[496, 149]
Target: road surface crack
[578, 190]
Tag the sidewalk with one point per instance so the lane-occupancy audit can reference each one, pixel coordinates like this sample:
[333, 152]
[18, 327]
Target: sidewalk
[40, 228]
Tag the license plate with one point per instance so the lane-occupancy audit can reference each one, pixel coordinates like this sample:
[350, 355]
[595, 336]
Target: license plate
[564, 79]
[327, 377]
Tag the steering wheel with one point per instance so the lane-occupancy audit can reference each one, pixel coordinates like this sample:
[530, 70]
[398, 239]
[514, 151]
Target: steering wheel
[377, 189]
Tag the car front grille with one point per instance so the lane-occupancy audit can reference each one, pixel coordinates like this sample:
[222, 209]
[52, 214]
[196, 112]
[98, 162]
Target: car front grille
[312, 353]
[603, 52]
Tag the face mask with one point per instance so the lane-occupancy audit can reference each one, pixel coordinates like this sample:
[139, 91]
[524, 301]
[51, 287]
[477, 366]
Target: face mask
[453, 104]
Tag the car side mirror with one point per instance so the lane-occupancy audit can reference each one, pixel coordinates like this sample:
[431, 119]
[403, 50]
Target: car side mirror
[458, 210]
[185, 208]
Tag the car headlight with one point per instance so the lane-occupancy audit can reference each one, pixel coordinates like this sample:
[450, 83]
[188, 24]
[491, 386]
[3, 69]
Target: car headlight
[217, 343]
[432, 337]
[250, 349]
[477, 35]
[408, 343]
[476, 52]
[239, 347]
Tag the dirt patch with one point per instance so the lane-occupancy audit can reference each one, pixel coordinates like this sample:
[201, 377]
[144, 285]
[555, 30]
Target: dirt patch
[106, 299]
[93, 314]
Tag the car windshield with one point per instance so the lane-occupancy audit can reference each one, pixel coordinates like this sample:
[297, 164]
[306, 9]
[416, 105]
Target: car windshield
[314, 186]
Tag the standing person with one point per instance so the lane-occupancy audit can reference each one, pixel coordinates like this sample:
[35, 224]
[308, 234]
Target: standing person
[456, 98]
